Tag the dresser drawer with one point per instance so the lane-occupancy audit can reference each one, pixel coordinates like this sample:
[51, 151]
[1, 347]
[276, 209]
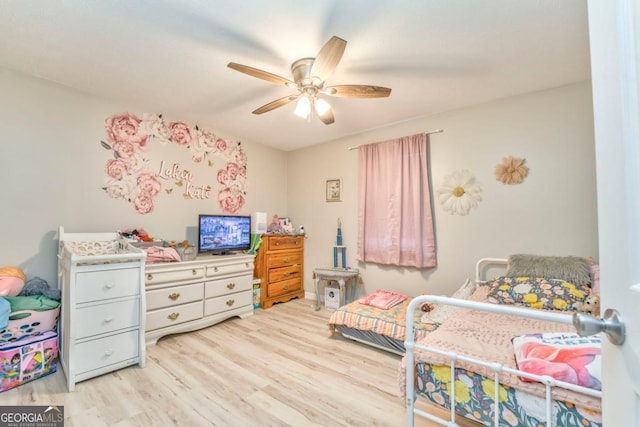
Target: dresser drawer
[280, 260]
[277, 243]
[174, 315]
[96, 354]
[175, 295]
[283, 287]
[182, 275]
[214, 288]
[282, 273]
[227, 302]
[105, 284]
[100, 319]
[238, 268]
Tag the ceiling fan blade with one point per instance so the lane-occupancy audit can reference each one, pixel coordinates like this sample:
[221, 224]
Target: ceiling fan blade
[276, 104]
[261, 74]
[328, 58]
[357, 91]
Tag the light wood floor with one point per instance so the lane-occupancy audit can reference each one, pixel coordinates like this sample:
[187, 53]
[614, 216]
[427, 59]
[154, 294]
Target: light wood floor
[278, 367]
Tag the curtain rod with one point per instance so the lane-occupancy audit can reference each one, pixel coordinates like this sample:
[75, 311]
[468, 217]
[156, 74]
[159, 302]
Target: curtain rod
[426, 133]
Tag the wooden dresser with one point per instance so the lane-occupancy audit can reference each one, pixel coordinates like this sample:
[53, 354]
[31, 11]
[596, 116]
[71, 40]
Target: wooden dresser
[189, 295]
[279, 266]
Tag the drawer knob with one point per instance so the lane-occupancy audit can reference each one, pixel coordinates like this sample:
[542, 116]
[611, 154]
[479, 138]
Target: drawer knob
[194, 272]
[149, 276]
[230, 302]
[174, 296]
[285, 287]
[286, 260]
[231, 285]
[215, 269]
[109, 285]
[173, 316]
[108, 320]
[287, 273]
[108, 352]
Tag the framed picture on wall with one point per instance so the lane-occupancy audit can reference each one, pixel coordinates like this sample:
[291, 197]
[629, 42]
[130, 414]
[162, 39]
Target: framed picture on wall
[334, 190]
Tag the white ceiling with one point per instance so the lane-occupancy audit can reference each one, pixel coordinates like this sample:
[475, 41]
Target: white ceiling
[170, 56]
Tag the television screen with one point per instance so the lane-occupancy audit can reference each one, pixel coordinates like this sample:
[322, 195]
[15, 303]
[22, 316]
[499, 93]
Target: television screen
[223, 234]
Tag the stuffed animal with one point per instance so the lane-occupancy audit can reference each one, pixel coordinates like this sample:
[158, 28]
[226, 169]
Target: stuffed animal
[11, 281]
[590, 306]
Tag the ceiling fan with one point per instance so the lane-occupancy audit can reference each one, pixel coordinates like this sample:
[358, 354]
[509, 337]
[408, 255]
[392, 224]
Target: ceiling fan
[309, 77]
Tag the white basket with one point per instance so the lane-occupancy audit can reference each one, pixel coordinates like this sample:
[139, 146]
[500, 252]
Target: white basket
[187, 253]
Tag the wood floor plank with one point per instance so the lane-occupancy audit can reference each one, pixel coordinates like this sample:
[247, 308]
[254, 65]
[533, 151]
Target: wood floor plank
[280, 367]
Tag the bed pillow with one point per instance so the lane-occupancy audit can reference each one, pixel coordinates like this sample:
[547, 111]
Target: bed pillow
[569, 268]
[441, 311]
[383, 299]
[537, 292]
[566, 357]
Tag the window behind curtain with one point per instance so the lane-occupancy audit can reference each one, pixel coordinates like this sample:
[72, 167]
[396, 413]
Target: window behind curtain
[395, 225]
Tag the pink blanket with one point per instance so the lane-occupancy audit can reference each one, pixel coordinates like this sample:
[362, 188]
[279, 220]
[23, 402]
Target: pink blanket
[383, 299]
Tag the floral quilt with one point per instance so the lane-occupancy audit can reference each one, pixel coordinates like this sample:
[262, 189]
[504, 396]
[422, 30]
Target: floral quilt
[474, 399]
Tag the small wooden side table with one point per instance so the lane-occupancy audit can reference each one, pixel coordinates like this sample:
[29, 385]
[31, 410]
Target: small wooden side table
[343, 276]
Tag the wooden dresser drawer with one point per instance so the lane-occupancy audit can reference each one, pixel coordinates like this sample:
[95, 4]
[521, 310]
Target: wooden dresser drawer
[107, 351]
[227, 302]
[103, 318]
[174, 315]
[175, 295]
[106, 284]
[183, 275]
[277, 243]
[214, 288]
[284, 287]
[280, 260]
[282, 273]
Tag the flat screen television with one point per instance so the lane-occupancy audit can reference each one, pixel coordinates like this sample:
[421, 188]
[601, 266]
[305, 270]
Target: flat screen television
[223, 234]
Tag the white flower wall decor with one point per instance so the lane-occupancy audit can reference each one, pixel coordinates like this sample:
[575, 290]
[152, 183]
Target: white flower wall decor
[459, 193]
[511, 170]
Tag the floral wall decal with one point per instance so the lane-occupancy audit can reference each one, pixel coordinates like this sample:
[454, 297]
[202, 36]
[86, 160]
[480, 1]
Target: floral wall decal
[131, 177]
[459, 193]
[511, 170]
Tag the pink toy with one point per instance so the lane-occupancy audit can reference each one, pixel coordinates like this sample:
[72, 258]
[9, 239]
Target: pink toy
[12, 281]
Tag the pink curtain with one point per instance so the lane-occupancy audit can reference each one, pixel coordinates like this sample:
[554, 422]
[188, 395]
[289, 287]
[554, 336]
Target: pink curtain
[395, 225]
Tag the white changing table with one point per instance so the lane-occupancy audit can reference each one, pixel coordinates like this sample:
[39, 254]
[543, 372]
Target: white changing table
[103, 305]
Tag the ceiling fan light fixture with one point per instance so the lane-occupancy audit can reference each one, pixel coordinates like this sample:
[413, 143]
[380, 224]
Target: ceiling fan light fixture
[303, 107]
[321, 106]
[309, 77]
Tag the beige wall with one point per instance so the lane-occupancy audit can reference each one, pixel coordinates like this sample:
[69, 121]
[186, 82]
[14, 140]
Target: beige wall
[53, 170]
[52, 175]
[552, 213]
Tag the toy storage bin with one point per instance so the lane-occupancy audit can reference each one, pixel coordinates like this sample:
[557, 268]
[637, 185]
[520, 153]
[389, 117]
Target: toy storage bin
[27, 359]
[30, 315]
[29, 323]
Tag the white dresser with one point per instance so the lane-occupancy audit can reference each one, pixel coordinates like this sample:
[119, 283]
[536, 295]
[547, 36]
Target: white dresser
[103, 305]
[189, 295]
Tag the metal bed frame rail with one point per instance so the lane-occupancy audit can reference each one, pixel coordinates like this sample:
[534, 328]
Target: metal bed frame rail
[411, 345]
